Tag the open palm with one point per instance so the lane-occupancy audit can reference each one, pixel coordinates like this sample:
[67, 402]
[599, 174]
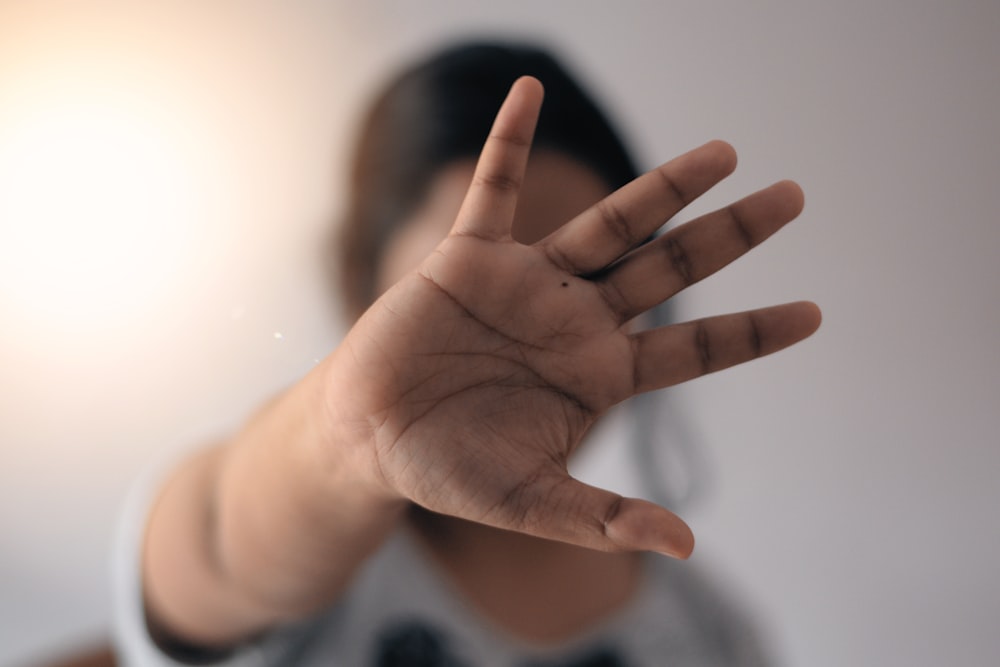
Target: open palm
[474, 378]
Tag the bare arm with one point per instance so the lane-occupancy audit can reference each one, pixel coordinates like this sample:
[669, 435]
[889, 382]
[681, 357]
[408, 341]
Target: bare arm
[257, 531]
[465, 389]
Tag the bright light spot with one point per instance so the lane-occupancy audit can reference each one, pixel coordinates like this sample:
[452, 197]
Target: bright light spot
[94, 208]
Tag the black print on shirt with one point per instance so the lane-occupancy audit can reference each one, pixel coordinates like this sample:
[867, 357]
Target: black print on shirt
[414, 644]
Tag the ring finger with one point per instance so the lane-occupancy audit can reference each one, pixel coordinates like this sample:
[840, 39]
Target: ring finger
[683, 256]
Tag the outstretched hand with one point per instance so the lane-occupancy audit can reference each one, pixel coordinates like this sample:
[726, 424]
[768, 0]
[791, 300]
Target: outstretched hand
[467, 386]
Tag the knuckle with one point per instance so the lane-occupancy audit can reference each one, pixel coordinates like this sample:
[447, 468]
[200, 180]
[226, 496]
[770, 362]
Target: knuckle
[615, 298]
[615, 222]
[703, 346]
[497, 181]
[756, 344]
[670, 184]
[741, 227]
[511, 140]
[679, 258]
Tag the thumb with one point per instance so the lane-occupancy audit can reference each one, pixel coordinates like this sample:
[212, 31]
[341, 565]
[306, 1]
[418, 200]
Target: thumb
[558, 507]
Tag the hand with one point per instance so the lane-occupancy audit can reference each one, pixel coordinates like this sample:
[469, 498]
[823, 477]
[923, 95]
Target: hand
[468, 385]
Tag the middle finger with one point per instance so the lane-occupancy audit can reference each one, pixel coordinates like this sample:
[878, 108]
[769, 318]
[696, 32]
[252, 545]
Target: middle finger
[606, 231]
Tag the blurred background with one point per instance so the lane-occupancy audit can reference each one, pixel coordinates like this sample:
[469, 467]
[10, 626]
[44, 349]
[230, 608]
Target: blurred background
[170, 171]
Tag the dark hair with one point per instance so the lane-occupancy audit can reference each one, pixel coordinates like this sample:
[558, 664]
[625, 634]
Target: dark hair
[440, 111]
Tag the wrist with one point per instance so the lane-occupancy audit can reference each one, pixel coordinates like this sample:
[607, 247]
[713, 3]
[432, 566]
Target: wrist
[345, 447]
[296, 513]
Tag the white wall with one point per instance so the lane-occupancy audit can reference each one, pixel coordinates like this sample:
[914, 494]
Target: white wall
[852, 501]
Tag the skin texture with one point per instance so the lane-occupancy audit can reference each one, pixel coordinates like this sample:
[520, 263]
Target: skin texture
[538, 590]
[472, 406]
[465, 389]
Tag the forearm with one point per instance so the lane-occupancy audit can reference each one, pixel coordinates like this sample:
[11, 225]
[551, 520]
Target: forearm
[266, 528]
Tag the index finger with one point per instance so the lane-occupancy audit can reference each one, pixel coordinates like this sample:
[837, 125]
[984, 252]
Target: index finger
[489, 205]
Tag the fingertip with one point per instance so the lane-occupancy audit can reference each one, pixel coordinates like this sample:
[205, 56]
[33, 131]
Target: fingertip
[724, 153]
[529, 80]
[795, 195]
[529, 86]
[521, 108]
[639, 525]
[683, 546]
[805, 319]
[815, 314]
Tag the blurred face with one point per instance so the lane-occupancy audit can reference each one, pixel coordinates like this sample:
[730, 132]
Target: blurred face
[556, 188]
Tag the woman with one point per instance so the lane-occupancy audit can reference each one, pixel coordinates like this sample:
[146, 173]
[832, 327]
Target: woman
[408, 502]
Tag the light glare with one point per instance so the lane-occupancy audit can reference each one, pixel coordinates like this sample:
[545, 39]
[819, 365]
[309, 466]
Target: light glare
[92, 208]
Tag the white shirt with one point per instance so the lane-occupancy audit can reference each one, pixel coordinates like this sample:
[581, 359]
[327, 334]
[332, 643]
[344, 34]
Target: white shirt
[402, 610]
